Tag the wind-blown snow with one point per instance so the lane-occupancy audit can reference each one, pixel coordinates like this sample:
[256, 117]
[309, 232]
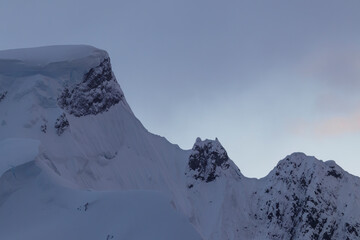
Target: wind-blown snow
[41, 56]
[14, 152]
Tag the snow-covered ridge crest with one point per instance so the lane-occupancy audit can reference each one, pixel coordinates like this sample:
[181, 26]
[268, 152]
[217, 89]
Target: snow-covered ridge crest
[78, 78]
[50, 60]
[41, 56]
[298, 163]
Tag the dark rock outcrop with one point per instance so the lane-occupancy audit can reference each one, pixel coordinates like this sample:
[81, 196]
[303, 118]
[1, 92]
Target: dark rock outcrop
[2, 95]
[97, 92]
[61, 124]
[206, 159]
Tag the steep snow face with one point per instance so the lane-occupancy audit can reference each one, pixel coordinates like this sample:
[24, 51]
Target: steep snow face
[87, 138]
[33, 81]
[33, 106]
[74, 106]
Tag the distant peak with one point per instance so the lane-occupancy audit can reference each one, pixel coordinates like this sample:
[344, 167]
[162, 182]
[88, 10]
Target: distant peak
[299, 164]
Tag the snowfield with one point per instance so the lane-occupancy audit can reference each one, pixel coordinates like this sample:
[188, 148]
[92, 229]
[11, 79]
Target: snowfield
[40, 209]
[75, 163]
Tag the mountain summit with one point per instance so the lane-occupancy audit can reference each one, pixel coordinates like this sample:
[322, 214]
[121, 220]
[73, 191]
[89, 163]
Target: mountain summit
[76, 163]
[207, 158]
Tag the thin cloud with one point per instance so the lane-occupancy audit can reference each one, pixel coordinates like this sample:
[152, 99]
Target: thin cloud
[329, 127]
[339, 126]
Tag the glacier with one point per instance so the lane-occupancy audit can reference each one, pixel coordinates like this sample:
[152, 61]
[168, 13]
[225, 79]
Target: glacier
[76, 163]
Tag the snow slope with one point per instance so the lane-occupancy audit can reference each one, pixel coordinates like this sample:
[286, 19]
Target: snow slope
[11, 156]
[77, 164]
[42, 209]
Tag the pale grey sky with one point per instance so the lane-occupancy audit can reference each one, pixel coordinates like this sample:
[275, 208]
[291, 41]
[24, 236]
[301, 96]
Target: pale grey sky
[266, 77]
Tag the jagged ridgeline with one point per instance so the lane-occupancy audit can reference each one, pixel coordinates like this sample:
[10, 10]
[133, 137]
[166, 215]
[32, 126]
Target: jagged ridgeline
[75, 163]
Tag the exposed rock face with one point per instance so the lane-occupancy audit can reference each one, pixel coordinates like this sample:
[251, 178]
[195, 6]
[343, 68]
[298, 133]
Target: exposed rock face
[61, 124]
[303, 200]
[206, 159]
[2, 95]
[95, 94]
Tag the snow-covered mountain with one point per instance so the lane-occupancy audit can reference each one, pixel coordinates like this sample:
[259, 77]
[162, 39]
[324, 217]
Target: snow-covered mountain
[75, 163]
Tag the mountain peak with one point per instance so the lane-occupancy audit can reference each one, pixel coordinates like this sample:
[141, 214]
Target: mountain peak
[299, 163]
[307, 199]
[207, 159]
